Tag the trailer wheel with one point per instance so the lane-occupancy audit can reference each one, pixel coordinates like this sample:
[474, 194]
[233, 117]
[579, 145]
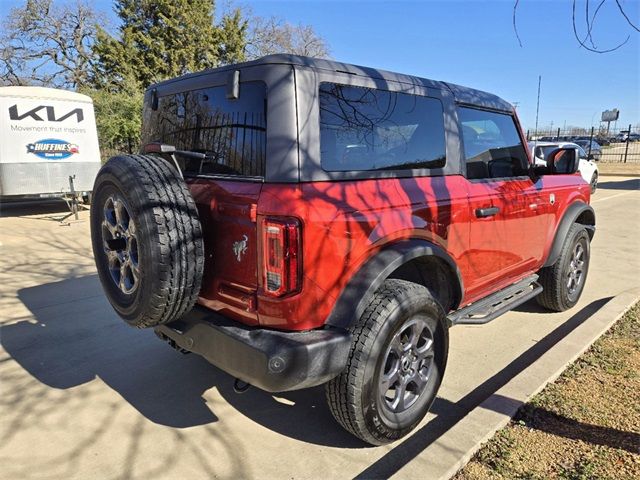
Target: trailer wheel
[147, 240]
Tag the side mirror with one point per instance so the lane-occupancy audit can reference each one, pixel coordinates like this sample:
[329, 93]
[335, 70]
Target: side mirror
[591, 156]
[563, 161]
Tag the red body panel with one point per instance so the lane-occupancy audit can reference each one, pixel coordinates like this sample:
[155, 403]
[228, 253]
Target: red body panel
[345, 223]
[228, 217]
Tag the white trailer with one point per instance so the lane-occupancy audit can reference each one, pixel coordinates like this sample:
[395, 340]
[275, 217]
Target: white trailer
[46, 136]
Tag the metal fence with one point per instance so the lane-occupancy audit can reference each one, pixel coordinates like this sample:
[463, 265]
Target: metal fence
[616, 146]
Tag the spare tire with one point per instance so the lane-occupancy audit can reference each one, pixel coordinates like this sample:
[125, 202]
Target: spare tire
[147, 240]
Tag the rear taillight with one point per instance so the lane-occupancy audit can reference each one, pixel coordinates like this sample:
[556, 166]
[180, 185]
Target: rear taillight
[281, 262]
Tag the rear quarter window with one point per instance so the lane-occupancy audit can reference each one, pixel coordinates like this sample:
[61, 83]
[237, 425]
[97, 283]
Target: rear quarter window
[370, 129]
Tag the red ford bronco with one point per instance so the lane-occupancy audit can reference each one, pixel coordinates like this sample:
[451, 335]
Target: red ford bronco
[300, 222]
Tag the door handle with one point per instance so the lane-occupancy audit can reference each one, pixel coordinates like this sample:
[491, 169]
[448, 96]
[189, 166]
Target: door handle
[487, 212]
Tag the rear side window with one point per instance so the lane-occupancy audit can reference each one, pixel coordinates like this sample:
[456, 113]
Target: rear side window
[492, 145]
[232, 133]
[370, 129]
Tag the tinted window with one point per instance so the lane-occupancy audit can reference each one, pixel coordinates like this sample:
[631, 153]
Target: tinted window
[232, 133]
[369, 129]
[492, 145]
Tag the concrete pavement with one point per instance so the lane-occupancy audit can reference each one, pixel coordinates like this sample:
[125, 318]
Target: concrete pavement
[82, 395]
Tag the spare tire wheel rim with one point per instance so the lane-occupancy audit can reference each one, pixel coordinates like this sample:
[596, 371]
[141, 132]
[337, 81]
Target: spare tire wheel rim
[120, 244]
[408, 364]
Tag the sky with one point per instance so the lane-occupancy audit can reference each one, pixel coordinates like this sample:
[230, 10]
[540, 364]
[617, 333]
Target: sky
[473, 43]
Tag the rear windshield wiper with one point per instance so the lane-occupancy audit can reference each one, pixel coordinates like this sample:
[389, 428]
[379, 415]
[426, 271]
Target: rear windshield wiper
[164, 148]
[157, 147]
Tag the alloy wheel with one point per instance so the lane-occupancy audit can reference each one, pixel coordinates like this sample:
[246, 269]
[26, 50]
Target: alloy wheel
[575, 269]
[408, 364]
[120, 244]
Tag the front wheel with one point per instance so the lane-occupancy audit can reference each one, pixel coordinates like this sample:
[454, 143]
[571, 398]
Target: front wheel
[397, 360]
[564, 281]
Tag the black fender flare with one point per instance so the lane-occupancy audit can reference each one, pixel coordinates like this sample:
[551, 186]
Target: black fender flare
[364, 283]
[575, 211]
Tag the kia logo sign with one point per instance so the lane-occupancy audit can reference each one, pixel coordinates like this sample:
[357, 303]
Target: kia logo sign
[49, 112]
[52, 149]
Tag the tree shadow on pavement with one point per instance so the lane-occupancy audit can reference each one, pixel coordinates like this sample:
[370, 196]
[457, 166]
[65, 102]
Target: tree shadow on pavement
[76, 337]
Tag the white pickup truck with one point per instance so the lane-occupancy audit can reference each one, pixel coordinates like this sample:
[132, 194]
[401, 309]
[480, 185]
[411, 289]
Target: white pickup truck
[587, 167]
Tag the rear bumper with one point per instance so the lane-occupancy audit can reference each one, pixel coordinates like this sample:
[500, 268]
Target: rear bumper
[271, 360]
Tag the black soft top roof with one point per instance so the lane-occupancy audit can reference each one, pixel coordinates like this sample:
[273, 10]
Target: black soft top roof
[463, 95]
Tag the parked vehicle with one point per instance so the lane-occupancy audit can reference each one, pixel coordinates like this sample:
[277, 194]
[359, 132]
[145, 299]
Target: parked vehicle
[633, 137]
[587, 166]
[591, 147]
[623, 136]
[331, 222]
[47, 135]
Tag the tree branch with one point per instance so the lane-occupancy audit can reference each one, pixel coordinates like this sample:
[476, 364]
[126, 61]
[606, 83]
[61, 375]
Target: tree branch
[513, 19]
[625, 16]
[582, 43]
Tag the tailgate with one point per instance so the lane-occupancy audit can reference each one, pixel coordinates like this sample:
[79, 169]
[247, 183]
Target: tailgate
[227, 210]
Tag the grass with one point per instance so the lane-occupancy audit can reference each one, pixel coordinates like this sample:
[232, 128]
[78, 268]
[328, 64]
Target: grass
[585, 425]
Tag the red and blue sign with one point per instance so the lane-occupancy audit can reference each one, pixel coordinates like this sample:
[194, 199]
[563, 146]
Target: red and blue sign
[52, 149]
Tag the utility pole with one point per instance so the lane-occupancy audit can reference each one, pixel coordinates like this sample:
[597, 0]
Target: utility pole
[538, 105]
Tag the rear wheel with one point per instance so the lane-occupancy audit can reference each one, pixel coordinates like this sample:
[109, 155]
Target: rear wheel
[147, 240]
[397, 360]
[564, 281]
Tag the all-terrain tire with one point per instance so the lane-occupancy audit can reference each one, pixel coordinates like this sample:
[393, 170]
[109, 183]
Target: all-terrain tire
[559, 292]
[356, 397]
[147, 240]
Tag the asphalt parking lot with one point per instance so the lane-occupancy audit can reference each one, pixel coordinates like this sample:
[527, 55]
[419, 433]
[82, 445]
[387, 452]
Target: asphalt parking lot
[84, 396]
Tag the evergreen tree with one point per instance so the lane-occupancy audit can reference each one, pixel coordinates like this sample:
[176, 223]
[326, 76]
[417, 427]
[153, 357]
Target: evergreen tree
[161, 39]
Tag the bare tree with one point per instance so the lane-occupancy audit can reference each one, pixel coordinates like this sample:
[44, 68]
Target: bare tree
[274, 35]
[590, 13]
[46, 44]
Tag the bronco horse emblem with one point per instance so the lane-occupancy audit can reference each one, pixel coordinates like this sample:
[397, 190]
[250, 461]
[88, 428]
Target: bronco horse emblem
[240, 247]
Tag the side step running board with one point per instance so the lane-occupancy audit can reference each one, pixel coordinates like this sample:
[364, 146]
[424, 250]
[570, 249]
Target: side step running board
[491, 307]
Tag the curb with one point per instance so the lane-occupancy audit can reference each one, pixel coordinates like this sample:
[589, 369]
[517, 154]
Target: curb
[485, 414]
